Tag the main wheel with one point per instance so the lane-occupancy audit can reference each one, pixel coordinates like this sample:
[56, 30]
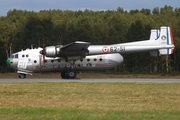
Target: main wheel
[63, 75]
[22, 76]
[71, 74]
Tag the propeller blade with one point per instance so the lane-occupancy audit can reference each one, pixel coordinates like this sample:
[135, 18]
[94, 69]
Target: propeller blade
[43, 52]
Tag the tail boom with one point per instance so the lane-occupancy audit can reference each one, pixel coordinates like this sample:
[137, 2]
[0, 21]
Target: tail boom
[160, 43]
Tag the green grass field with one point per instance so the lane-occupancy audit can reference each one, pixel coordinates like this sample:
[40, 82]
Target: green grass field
[89, 101]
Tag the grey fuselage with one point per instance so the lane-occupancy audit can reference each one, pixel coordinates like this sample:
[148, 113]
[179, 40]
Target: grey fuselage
[30, 61]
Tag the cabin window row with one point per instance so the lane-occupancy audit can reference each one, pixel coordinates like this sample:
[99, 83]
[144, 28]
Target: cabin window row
[94, 59]
[59, 60]
[25, 56]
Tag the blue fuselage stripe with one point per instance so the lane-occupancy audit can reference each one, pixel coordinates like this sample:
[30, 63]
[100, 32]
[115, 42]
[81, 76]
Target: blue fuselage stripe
[157, 34]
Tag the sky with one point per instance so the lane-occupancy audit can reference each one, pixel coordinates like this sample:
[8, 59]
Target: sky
[37, 5]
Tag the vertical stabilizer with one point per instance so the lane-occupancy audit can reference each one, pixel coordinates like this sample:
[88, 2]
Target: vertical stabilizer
[153, 36]
[166, 39]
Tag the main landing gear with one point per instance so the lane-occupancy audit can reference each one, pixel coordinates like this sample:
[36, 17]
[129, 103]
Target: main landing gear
[22, 76]
[70, 74]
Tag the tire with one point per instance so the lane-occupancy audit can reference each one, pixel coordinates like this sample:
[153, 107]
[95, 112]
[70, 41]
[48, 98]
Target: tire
[71, 74]
[63, 75]
[22, 76]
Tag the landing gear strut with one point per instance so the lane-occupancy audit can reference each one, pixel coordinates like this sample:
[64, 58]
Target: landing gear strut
[70, 74]
[22, 76]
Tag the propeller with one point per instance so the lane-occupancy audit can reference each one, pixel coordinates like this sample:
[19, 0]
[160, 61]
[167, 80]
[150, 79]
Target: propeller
[43, 52]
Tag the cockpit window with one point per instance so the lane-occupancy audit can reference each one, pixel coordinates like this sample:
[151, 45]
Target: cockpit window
[12, 56]
[16, 55]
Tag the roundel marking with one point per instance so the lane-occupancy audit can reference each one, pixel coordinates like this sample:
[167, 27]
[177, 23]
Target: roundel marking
[105, 49]
[163, 37]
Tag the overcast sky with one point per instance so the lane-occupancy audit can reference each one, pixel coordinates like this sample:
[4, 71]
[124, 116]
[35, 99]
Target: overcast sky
[36, 5]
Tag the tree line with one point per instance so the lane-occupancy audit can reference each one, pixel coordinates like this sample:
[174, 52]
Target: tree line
[20, 29]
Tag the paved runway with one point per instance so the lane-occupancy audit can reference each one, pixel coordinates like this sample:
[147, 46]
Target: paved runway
[125, 80]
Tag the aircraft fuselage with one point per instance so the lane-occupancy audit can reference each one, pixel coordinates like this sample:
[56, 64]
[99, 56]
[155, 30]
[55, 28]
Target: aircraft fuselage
[31, 61]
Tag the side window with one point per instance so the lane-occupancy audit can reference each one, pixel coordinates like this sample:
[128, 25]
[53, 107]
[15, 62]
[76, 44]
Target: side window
[59, 60]
[35, 61]
[16, 55]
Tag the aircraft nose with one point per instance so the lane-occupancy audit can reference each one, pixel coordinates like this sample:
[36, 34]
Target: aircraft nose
[8, 61]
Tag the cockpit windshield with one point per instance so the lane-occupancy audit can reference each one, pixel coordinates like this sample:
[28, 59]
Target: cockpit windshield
[12, 56]
[16, 55]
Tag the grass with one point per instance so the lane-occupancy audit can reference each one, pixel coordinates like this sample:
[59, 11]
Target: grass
[90, 101]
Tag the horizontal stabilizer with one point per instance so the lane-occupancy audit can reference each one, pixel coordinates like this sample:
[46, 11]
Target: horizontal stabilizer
[154, 53]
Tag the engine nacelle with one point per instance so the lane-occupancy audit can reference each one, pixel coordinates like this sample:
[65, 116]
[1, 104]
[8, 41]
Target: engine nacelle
[52, 51]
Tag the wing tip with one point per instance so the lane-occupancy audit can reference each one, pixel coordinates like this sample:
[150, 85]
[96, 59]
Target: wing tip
[81, 42]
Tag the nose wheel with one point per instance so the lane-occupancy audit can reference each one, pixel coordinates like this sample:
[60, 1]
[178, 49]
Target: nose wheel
[71, 74]
[22, 76]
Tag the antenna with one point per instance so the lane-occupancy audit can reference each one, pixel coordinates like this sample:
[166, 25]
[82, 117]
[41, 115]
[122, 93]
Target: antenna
[31, 46]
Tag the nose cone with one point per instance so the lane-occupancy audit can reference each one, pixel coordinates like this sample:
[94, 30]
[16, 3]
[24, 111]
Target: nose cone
[8, 62]
[12, 63]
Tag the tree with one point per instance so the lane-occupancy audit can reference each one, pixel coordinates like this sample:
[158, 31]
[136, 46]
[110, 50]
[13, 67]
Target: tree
[156, 11]
[146, 11]
[132, 12]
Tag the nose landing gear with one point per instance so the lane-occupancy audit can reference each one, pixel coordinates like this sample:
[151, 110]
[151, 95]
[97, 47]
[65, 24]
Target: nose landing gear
[22, 76]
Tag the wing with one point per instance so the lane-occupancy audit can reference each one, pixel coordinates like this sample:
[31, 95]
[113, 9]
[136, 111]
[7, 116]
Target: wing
[77, 48]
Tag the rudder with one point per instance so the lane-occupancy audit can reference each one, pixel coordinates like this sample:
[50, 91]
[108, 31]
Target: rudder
[166, 38]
